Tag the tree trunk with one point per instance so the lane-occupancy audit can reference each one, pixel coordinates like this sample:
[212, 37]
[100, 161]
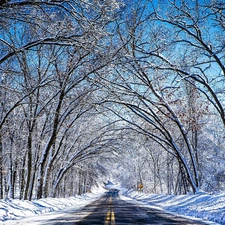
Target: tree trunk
[169, 175]
[29, 165]
[11, 173]
[31, 187]
[48, 147]
[46, 179]
[80, 183]
[42, 165]
[22, 178]
[40, 180]
[1, 168]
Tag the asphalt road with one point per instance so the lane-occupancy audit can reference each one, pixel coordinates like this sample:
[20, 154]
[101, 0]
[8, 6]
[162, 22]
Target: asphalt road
[111, 210]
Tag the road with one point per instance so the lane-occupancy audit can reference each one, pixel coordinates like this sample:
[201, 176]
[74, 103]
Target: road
[111, 210]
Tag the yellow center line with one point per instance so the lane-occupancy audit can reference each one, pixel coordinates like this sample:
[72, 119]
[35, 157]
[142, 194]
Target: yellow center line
[110, 216]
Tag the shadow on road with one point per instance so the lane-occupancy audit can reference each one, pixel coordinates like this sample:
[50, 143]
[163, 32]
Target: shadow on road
[111, 210]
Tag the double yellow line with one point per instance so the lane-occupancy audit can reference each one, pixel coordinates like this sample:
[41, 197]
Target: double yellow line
[110, 216]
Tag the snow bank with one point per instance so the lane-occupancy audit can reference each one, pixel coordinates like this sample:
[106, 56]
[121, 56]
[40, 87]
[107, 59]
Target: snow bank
[204, 206]
[12, 209]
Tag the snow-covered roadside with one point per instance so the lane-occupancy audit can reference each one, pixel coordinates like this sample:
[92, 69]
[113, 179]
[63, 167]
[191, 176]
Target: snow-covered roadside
[204, 206]
[13, 209]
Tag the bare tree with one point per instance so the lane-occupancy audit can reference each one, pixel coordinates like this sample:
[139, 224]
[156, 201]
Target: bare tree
[198, 31]
[49, 48]
[144, 85]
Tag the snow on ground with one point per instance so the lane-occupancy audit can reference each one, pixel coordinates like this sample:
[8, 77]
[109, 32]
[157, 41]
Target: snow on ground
[12, 210]
[202, 205]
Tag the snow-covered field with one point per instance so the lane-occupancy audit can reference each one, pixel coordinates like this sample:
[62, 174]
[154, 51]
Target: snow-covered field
[204, 206]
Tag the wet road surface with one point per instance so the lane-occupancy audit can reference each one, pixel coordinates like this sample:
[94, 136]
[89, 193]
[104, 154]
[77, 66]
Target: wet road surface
[111, 210]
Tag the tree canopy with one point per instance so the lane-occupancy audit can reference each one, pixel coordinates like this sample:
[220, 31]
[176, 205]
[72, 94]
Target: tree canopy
[95, 89]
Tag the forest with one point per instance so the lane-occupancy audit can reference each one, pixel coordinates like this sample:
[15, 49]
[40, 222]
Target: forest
[92, 90]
